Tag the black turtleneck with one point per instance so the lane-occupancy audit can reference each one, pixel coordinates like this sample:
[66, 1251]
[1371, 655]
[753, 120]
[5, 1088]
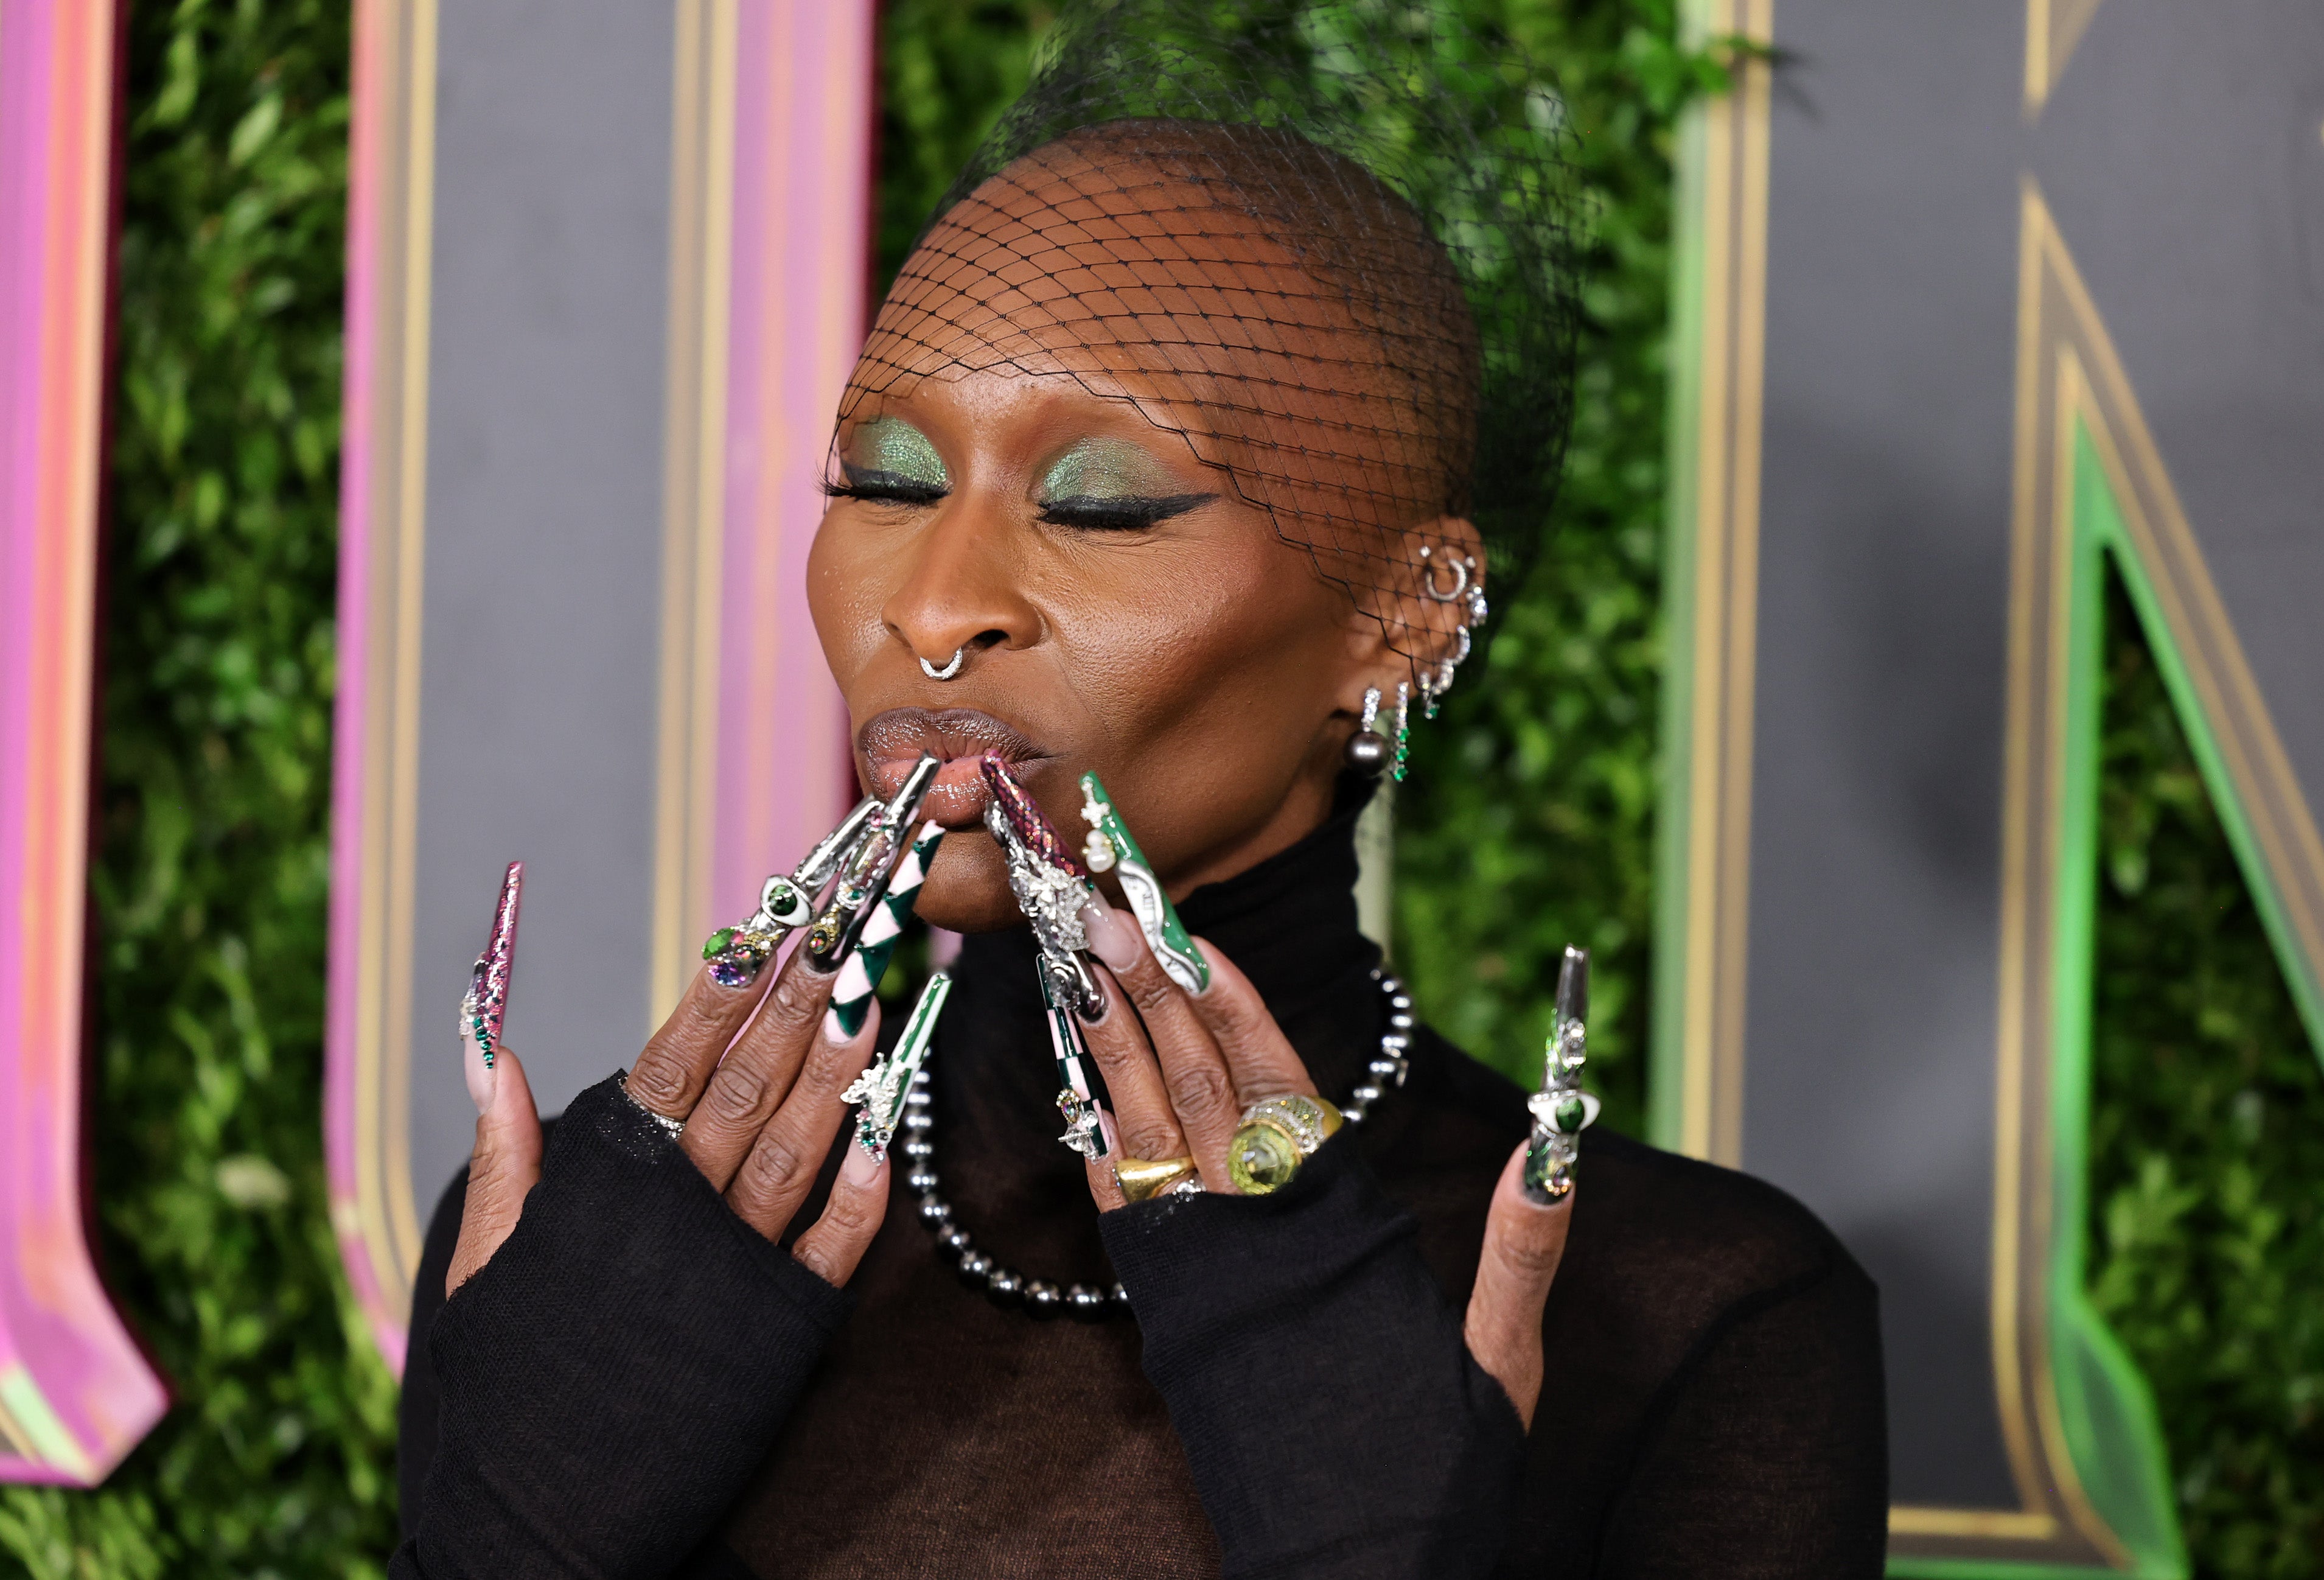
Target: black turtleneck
[1712, 1401]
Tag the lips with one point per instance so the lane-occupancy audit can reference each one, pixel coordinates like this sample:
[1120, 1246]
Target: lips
[961, 736]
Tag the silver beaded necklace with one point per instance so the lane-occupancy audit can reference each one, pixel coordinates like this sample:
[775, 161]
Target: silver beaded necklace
[1006, 1286]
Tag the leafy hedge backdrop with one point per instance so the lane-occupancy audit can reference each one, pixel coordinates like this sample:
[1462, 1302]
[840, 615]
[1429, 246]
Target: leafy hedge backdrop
[1530, 822]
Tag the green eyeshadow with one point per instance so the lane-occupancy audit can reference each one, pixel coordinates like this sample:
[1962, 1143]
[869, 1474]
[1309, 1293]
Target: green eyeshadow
[1106, 468]
[893, 447]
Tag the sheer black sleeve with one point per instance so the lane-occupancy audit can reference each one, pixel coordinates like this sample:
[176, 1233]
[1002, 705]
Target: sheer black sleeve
[1333, 1419]
[1766, 1458]
[605, 1385]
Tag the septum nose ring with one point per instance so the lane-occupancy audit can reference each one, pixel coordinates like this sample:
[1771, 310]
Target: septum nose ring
[959, 657]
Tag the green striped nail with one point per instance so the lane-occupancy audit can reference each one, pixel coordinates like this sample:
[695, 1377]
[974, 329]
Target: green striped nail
[1110, 846]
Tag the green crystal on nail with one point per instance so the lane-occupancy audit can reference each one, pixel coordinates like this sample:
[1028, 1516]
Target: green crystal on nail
[719, 943]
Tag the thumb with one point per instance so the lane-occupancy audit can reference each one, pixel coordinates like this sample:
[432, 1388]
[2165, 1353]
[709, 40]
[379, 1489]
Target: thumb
[505, 1165]
[1524, 1242]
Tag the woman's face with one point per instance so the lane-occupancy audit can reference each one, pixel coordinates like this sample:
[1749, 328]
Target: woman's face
[1117, 604]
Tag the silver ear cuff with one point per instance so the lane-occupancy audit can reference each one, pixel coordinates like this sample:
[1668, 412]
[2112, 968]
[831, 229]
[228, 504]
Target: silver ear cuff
[959, 657]
[1463, 570]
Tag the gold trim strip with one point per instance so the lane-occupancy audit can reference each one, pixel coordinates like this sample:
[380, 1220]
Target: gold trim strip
[693, 494]
[386, 1213]
[2162, 539]
[2001, 1524]
[2052, 29]
[1725, 638]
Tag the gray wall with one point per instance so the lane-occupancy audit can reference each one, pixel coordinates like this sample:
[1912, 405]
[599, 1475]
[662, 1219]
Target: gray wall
[544, 539]
[2181, 154]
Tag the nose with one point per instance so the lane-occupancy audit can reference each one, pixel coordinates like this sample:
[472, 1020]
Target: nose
[962, 594]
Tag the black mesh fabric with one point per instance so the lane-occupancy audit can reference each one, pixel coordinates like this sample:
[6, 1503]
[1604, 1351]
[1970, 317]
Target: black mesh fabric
[1331, 246]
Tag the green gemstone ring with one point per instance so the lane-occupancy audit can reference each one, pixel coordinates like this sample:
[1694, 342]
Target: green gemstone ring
[1275, 1138]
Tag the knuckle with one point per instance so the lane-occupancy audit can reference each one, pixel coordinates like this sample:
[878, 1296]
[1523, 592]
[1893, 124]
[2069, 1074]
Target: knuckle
[1232, 1019]
[1199, 1091]
[821, 1256]
[660, 1082]
[796, 1000]
[773, 1171]
[1531, 1257]
[1153, 1141]
[737, 1093]
[831, 1067]
[1149, 989]
[854, 1215]
[698, 1020]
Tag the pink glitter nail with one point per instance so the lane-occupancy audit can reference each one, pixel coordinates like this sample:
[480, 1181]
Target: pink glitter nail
[1026, 819]
[481, 1013]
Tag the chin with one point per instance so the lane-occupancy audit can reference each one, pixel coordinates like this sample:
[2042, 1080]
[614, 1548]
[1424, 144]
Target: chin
[967, 892]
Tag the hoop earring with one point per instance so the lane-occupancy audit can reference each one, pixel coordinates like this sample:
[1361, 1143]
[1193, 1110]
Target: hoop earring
[959, 656]
[1463, 571]
[1403, 729]
[1368, 749]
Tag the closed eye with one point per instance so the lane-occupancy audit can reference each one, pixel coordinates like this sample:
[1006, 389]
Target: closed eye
[1120, 513]
[886, 487]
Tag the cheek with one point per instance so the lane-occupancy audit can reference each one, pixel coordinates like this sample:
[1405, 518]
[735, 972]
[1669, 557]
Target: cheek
[1209, 674]
[845, 593]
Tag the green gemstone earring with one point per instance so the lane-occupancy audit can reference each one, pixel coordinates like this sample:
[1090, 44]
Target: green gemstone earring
[1402, 730]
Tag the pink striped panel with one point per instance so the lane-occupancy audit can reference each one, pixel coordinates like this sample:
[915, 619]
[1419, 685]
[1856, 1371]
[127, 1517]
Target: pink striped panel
[75, 1393]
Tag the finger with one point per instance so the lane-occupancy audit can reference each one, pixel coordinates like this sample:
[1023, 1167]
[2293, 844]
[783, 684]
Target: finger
[1105, 1186]
[781, 1165]
[835, 1243]
[1195, 1076]
[1260, 1060]
[1524, 1242]
[669, 1075]
[1147, 1126]
[756, 1074]
[503, 1167]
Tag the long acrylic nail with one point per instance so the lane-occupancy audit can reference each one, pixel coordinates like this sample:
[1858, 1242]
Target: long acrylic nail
[1075, 1100]
[735, 954]
[1111, 846]
[1050, 884]
[484, 1009]
[882, 1089]
[861, 1168]
[859, 977]
[1112, 936]
[1562, 1109]
[831, 936]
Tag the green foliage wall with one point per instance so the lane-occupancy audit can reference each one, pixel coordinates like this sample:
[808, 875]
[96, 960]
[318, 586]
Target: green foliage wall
[1528, 822]
[209, 885]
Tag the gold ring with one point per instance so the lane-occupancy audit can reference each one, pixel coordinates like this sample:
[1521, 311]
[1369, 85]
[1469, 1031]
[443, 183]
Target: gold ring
[1275, 1138]
[1144, 1178]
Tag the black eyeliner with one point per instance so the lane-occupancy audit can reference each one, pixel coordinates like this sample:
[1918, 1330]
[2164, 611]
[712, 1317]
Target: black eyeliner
[1126, 513]
[883, 488]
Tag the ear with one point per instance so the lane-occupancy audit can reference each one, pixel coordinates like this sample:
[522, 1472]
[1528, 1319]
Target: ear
[1415, 616]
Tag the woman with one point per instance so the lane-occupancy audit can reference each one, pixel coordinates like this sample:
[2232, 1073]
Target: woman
[1183, 443]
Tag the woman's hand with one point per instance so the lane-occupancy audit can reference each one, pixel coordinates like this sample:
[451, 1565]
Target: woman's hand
[598, 1292]
[1184, 1068]
[759, 1102]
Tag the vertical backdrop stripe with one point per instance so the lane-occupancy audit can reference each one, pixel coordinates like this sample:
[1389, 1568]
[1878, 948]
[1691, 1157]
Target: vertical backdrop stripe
[75, 1393]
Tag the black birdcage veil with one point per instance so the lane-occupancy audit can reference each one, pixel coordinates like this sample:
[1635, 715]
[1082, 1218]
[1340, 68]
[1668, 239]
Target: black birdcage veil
[1414, 361]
